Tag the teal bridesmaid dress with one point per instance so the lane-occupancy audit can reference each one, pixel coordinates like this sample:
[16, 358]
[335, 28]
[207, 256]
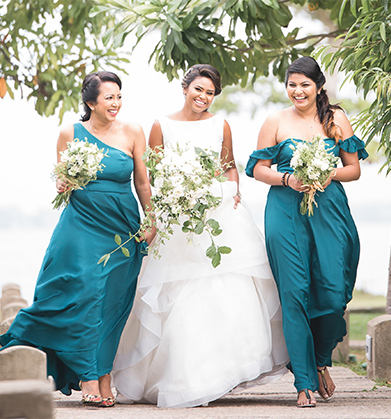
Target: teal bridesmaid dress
[80, 307]
[314, 262]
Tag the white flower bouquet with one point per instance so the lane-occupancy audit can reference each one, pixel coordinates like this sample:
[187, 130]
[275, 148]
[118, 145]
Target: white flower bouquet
[80, 163]
[312, 164]
[182, 179]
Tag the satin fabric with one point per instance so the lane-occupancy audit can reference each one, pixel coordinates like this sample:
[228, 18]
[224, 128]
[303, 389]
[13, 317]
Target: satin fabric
[313, 259]
[80, 307]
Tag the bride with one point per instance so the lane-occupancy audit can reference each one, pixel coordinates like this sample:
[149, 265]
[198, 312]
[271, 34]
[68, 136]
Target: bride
[197, 332]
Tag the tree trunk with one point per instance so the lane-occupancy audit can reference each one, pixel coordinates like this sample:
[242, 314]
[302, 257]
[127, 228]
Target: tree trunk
[388, 308]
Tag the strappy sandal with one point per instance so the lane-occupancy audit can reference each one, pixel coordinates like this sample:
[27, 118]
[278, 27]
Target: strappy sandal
[109, 402]
[322, 380]
[307, 394]
[90, 399]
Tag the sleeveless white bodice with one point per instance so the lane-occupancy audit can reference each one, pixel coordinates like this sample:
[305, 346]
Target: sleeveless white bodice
[206, 134]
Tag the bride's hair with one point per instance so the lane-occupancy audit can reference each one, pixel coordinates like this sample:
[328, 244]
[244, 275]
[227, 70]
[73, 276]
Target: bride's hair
[91, 88]
[202, 70]
[310, 68]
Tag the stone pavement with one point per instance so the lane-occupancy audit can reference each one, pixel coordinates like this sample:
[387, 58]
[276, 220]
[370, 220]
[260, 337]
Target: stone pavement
[356, 397]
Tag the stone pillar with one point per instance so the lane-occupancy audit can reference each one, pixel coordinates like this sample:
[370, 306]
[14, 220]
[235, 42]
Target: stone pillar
[11, 302]
[27, 399]
[341, 351]
[22, 363]
[378, 344]
[25, 391]
[9, 291]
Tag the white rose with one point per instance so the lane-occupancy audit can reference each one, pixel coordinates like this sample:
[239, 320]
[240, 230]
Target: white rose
[178, 191]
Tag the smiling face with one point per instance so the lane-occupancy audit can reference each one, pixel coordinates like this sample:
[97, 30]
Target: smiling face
[302, 91]
[109, 101]
[200, 94]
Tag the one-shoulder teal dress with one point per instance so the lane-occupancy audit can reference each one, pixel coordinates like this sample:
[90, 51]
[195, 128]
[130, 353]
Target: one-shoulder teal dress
[313, 259]
[80, 307]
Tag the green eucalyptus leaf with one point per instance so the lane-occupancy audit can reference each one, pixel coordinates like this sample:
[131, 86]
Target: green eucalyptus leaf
[103, 258]
[199, 228]
[211, 251]
[224, 249]
[125, 251]
[216, 260]
[117, 239]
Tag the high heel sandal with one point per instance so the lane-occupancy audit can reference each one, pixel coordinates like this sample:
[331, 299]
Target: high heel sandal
[90, 399]
[307, 394]
[109, 402]
[322, 379]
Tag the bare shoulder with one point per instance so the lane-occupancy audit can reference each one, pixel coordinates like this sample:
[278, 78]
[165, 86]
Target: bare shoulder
[340, 117]
[67, 132]
[276, 117]
[156, 125]
[132, 128]
[343, 122]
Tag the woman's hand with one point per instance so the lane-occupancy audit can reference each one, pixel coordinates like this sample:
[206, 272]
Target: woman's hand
[295, 184]
[237, 199]
[329, 179]
[148, 236]
[60, 185]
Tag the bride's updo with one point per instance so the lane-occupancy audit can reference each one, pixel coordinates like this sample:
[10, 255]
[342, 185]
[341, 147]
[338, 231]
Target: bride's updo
[202, 70]
[310, 68]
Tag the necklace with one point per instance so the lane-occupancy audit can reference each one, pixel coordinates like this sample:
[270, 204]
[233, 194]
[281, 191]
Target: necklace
[107, 133]
[305, 122]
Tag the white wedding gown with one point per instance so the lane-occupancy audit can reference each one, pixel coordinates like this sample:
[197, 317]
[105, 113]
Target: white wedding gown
[197, 332]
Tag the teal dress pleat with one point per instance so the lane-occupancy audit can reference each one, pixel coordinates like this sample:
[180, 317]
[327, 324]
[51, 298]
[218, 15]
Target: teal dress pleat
[314, 262]
[80, 307]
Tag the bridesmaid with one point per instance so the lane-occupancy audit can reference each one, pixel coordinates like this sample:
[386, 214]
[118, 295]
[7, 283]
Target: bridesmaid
[313, 259]
[80, 307]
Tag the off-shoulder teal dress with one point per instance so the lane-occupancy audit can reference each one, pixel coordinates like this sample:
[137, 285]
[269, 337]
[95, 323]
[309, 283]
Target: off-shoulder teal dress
[80, 307]
[314, 261]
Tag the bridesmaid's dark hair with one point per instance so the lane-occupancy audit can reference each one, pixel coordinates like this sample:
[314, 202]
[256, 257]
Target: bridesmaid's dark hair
[203, 70]
[91, 88]
[310, 68]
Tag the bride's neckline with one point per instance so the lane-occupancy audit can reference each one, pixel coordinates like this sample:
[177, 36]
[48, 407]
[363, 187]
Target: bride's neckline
[196, 120]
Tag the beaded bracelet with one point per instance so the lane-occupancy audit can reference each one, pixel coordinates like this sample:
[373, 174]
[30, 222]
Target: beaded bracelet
[283, 180]
[287, 179]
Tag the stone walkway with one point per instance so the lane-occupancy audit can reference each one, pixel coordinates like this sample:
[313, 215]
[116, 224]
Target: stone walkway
[356, 398]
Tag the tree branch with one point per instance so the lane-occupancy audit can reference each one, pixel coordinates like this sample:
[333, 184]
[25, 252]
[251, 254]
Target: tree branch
[321, 36]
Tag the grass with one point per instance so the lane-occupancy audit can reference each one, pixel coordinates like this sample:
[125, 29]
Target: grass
[358, 321]
[358, 324]
[364, 300]
[358, 329]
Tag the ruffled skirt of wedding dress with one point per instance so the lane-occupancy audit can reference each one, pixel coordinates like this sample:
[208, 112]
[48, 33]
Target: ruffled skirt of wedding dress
[197, 332]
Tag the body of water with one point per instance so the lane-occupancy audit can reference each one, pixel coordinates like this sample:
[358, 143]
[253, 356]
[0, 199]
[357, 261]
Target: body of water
[24, 238]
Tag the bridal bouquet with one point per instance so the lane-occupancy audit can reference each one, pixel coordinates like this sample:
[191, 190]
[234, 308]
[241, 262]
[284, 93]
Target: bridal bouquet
[181, 179]
[80, 163]
[312, 164]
